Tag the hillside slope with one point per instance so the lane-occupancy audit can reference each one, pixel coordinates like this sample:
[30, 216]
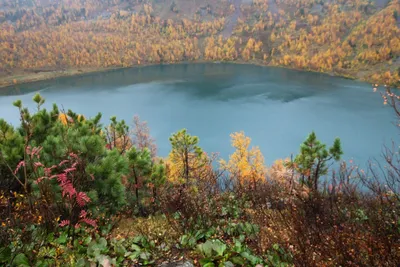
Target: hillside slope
[359, 39]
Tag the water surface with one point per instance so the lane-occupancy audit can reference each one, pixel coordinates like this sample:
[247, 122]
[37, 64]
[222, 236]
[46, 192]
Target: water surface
[276, 107]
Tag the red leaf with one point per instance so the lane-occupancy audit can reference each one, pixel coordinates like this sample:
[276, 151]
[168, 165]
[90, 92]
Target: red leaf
[64, 223]
[63, 162]
[68, 188]
[83, 214]
[47, 171]
[90, 222]
[69, 170]
[62, 178]
[40, 179]
[82, 199]
[22, 163]
[37, 165]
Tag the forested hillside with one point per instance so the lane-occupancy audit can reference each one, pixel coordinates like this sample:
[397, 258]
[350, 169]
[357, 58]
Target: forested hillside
[359, 39]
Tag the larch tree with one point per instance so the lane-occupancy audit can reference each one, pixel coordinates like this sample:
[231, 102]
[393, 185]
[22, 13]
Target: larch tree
[245, 165]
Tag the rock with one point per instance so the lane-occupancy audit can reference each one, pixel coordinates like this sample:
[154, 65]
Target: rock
[178, 264]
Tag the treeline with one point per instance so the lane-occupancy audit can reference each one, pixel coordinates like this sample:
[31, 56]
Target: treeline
[350, 38]
[343, 37]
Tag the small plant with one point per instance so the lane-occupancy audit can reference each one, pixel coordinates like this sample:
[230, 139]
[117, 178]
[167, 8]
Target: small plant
[217, 253]
[277, 256]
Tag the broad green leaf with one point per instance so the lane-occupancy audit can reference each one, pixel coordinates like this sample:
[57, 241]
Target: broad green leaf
[87, 240]
[206, 262]
[62, 239]
[145, 255]
[102, 243]
[135, 247]
[120, 250]
[21, 260]
[219, 247]
[133, 255]
[206, 248]
[238, 260]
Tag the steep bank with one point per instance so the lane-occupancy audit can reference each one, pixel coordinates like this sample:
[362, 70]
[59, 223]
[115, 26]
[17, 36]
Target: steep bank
[348, 39]
[28, 77]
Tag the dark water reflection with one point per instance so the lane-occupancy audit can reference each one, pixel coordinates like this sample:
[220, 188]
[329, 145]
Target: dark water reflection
[276, 107]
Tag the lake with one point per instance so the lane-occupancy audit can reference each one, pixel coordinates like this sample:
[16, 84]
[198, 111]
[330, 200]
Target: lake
[276, 107]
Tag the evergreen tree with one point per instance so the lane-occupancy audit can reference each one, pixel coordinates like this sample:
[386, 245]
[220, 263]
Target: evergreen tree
[140, 166]
[58, 136]
[117, 135]
[157, 179]
[185, 154]
[312, 162]
[11, 152]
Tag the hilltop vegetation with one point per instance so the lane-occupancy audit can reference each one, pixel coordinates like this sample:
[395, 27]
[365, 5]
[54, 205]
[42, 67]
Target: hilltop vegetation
[74, 192]
[358, 39]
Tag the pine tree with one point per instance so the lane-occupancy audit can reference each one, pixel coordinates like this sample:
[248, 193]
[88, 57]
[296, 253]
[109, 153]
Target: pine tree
[312, 162]
[99, 172]
[185, 156]
[140, 166]
[11, 153]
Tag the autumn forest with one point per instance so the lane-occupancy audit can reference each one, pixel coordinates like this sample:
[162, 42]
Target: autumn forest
[79, 189]
[357, 39]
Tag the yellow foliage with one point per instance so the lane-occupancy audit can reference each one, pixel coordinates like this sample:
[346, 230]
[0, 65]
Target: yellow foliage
[199, 167]
[81, 118]
[278, 172]
[63, 118]
[245, 164]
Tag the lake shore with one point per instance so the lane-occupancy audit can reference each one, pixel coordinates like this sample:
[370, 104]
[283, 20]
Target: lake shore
[29, 77]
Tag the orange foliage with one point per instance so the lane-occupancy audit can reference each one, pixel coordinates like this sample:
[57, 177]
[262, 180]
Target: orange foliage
[245, 164]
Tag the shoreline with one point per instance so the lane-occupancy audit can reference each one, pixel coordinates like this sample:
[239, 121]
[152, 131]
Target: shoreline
[26, 78]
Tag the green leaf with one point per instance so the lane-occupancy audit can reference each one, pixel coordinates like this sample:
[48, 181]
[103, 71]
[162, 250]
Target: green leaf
[253, 259]
[102, 243]
[120, 250]
[80, 263]
[219, 247]
[145, 255]
[184, 240]
[207, 262]
[50, 237]
[238, 260]
[62, 239]
[87, 240]
[132, 255]
[228, 264]
[21, 260]
[96, 248]
[5, 254]
[135, 247]
[206, 248]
